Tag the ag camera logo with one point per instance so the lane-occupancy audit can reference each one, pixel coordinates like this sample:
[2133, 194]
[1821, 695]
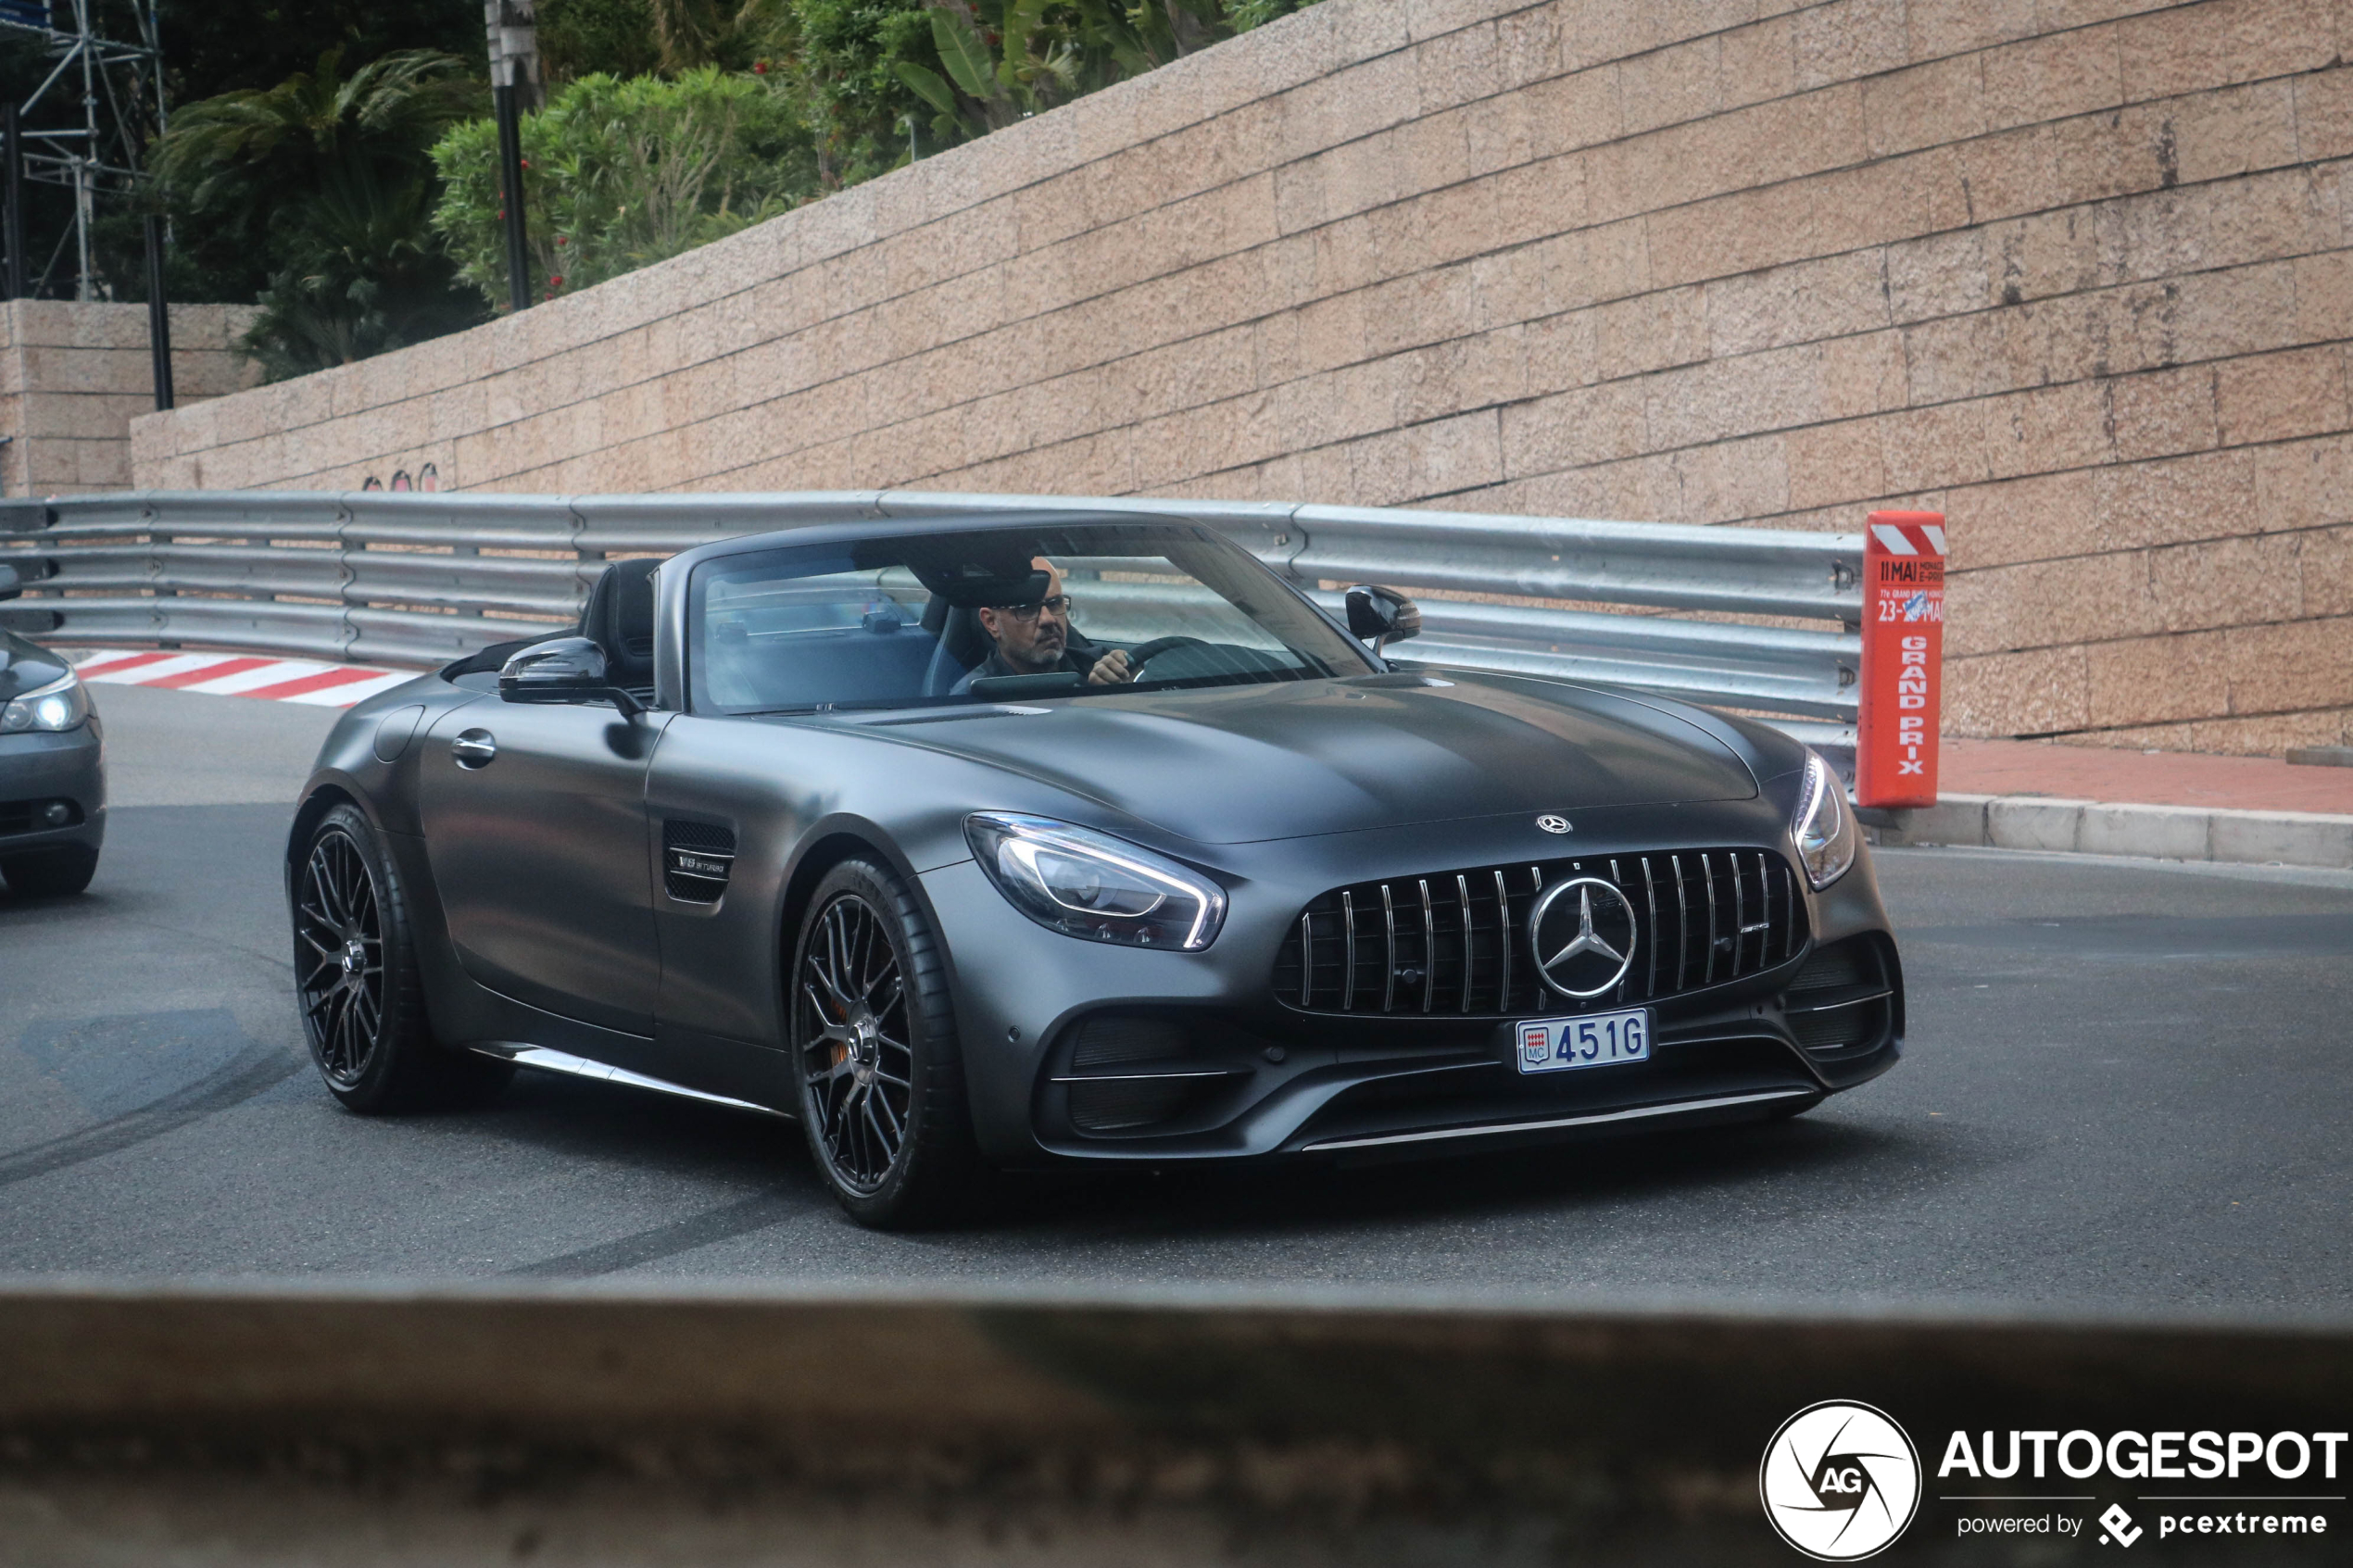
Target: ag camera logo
[1841, 1481]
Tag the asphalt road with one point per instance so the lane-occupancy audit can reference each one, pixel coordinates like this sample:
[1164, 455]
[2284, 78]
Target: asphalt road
[2127, 1090]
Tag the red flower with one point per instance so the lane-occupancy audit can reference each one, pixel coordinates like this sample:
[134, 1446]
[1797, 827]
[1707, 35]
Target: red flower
[556, 281]
[524, 161]
[561, 241]
[759, 68]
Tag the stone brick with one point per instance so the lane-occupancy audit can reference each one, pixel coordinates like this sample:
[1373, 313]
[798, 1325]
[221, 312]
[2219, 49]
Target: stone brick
[1834, 464]
[1649, 331]
[2171, 501]
[2156, 680]
[2053, 76]
[1592, 425]
[2325, 114]
[1928, 449]
[1939, 27]
[1672, 85]
[2303, 484]
[2223, 583]
[2045, 430]
[2162, 414]
[1759, 62]
[1929, 105]
[1732, 480]
[2233, 132]
[2325, 572]
[1800, 303]
[2041, 691]
[1847, 39]
[2300, 664]
[2189, 47]
[2276, 396]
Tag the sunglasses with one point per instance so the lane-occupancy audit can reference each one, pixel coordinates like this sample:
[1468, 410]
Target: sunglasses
[1060, 604]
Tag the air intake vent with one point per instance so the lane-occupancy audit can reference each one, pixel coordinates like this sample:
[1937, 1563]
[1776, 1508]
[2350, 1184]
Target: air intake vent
[697, 859]
[1455, 943]
[1838, 1005]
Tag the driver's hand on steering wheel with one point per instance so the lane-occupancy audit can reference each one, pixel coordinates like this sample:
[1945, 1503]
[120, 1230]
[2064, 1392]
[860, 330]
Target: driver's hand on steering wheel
[1110, 670]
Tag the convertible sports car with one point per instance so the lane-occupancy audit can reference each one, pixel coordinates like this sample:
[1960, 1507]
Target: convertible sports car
[857, 824]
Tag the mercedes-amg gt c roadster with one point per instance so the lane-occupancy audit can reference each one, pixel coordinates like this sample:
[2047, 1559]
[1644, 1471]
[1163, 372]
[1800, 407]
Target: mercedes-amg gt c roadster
[1035, 840]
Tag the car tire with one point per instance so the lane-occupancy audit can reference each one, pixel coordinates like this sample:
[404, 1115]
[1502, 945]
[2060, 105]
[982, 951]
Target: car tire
[879, 1073]
[50, 873]
[357, 981]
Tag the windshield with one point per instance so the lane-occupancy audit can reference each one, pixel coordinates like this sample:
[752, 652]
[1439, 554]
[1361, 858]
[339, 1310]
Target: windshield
[996, 614]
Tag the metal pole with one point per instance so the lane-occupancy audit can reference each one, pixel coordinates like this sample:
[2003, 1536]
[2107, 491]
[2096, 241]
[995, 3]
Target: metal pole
[159, 314]
[12, 132]
[510, 194]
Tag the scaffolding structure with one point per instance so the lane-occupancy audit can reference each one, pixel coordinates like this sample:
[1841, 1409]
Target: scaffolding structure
[84, 126]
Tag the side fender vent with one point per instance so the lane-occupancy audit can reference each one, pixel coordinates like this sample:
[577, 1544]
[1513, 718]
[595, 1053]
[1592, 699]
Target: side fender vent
[697, 859]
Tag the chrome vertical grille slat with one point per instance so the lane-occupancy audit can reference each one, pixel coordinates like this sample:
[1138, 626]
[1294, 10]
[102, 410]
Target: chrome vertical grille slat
[1348, 927]
[1470, 942]
[1503, 914]
[1446, 970]
[1739, 914]
[1389, 967]
[1429, 948]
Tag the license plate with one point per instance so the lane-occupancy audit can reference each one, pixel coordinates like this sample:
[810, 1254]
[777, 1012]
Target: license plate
[1599, 1039]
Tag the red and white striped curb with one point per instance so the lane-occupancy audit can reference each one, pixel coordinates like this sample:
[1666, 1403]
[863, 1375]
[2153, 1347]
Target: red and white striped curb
[235, 674]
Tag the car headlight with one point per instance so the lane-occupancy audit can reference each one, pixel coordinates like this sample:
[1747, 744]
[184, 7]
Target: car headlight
[1086, 884]
[60, 705]
[1823, 828]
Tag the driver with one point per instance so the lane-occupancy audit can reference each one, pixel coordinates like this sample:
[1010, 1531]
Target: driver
[1037, 639]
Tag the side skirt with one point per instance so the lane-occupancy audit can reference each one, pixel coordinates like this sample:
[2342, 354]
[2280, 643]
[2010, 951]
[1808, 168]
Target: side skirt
[549, 1060]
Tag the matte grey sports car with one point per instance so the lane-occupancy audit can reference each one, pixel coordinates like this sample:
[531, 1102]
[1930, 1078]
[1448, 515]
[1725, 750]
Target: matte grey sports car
[858, 825]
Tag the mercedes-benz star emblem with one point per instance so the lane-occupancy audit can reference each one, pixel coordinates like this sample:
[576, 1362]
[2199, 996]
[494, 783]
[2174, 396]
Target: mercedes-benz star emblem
[1583, 932]
[1553, 822]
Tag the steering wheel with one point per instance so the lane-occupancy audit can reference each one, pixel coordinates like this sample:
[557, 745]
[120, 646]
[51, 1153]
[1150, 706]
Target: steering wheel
[1144, 653]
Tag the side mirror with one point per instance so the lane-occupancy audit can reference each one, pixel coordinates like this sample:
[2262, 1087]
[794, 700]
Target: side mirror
[1380, 616]
[563, 670]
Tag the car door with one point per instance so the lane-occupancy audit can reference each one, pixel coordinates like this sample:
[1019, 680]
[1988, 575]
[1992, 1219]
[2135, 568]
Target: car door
[534, 820]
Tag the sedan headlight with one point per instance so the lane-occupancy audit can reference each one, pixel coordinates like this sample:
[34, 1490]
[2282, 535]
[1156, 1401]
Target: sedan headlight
[1086, 884]
[1823, 828]
[60, 705]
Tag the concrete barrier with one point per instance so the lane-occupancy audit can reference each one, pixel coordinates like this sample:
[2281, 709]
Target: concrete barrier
[460, 1427]
[2093, 827]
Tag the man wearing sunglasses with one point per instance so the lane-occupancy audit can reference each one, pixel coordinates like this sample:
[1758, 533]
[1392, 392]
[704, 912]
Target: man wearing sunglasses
[1037, 639]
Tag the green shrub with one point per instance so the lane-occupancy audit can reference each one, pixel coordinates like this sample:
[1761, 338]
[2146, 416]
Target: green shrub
[619, 174]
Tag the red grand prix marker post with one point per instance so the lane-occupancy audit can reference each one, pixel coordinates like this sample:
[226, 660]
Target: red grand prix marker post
[1903, 656]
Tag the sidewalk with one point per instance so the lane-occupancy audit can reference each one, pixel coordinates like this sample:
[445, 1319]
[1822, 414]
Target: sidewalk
[2180, 805]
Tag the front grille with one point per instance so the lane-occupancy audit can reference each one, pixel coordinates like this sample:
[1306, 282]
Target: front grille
[1456, 941]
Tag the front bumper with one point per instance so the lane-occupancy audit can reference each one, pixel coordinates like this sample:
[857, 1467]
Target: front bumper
[38, 770]
[1079, 1051]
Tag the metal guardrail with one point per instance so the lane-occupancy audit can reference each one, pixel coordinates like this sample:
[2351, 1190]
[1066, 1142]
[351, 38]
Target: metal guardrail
[420, 579]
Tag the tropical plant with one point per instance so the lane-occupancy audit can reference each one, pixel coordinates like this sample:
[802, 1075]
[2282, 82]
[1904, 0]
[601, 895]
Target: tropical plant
[329, 177]
[581, 38]
[731, 34]
[621, 174]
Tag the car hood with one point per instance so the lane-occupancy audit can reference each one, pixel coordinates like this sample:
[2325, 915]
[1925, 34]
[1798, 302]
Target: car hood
[1240, 764]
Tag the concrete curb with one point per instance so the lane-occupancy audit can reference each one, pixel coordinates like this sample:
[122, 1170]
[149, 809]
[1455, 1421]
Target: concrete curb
[2094, 827]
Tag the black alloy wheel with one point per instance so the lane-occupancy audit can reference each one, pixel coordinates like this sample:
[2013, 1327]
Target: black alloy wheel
[882, 1094]
[340, 959]
[356, 980]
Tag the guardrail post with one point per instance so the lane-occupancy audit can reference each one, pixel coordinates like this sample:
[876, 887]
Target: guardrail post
[1895, 739]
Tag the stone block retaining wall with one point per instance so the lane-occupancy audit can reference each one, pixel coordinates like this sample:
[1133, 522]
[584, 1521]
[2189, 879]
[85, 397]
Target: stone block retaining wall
[2074, 271]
